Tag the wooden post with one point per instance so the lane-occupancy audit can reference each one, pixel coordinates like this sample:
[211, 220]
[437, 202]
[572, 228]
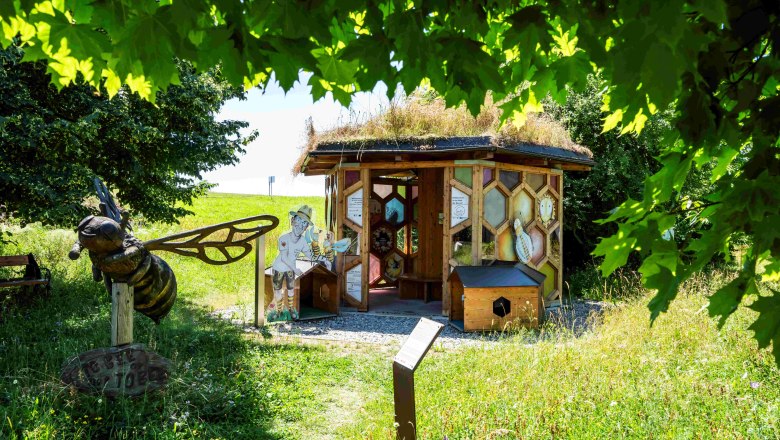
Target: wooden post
[446, 243]
[405, 363]
[121, 314]
[477, 210]
[403, 396]
[260, 281]
[365, 238]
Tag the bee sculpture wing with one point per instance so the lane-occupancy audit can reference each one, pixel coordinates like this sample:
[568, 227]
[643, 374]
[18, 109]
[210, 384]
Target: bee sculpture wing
[107, 204]
[222, 237]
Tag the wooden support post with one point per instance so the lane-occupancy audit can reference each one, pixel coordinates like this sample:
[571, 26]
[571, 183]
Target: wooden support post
[446, 243]
[403, 395]
[121, 314]
[260, 281]
[477, 210]
[365, 238]
[404, 364]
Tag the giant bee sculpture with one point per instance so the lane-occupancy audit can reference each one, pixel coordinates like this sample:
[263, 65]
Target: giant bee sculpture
[118, 256]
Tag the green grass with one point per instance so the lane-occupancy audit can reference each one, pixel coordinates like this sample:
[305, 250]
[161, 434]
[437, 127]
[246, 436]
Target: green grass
[682, 378]
[225, 384]
[220, 286]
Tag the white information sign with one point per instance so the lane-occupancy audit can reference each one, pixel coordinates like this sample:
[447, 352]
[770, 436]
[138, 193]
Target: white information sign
[459, 209]
[418, 343]
[354, 283]
[355, 207]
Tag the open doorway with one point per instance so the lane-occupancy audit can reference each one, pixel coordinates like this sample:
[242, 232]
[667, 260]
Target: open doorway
[406, 241]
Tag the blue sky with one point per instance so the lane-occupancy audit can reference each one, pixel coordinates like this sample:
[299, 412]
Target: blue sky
[281, 120]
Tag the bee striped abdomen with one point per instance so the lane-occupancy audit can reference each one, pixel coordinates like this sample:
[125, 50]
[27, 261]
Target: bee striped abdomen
[155, 292]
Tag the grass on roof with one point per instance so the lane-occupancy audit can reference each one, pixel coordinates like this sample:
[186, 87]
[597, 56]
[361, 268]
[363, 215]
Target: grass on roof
[422, 116]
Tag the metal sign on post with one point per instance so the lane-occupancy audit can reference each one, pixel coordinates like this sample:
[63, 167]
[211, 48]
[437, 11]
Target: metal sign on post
[271, 180]
[405, 363]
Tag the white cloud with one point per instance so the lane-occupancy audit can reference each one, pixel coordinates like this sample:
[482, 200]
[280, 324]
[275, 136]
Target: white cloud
[281, 121]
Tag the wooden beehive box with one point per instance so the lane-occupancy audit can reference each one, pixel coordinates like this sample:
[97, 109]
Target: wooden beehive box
[486, 298]
[316, 291]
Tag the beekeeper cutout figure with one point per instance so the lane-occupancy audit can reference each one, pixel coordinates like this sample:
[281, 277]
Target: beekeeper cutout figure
[290, 245]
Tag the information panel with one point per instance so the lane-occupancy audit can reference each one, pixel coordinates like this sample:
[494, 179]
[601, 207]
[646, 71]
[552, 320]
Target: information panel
[355, 207]
[354, 282]
[459, 208]
[418, 343]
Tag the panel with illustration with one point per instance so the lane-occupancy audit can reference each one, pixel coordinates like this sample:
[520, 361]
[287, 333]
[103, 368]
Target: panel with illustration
[521, 220]
[392, 207]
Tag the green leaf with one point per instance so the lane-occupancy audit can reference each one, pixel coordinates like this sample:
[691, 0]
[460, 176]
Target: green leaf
[612, 120]
[724, 159]
[713, 10]
[615, 249]
[7, 10]
[660, 74]
[666, 291]
[72, 48]
[724, 302]
[767, 325]
[336, 70]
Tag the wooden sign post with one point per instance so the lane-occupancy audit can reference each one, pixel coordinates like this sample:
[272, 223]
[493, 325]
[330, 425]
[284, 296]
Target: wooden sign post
[405, 363]
[260, 281]
[121, 314]
[124, 369]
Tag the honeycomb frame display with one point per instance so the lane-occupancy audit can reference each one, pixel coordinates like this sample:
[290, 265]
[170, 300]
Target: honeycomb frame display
[441, 203]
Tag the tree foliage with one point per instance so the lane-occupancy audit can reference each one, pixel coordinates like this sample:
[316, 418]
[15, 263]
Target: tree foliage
[715, 62]
[623, 161]
[52, 143]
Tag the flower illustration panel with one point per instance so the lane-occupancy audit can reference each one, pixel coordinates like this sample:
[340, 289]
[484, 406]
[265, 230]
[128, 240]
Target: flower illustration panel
[382, 240]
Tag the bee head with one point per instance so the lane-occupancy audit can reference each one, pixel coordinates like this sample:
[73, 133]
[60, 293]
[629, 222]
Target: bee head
[100, 235]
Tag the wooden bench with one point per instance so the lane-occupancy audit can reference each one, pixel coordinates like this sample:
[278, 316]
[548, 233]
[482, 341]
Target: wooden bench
[414, 279]
[34, 276]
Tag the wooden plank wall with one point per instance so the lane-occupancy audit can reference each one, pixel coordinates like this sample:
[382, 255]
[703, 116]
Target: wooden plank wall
[478, 308]
[431, 200]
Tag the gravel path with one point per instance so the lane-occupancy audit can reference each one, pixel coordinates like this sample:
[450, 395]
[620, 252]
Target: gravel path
[384, 329]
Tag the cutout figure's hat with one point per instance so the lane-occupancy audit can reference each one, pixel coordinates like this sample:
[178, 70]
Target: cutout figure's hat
[303, 212]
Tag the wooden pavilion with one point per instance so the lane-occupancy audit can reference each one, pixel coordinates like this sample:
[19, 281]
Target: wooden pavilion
[418, 206]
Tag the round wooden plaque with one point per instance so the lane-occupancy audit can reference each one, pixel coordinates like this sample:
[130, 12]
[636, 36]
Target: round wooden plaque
[129, 370]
